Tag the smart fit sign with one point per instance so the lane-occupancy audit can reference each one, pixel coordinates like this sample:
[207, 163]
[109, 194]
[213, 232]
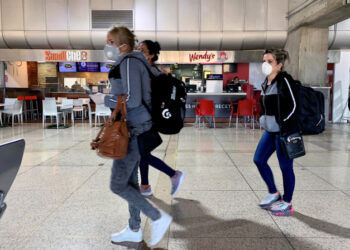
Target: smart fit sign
[66, 55]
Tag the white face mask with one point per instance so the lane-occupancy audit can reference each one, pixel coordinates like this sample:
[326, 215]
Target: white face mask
[146, 57]
[111, 52]
[266, 68]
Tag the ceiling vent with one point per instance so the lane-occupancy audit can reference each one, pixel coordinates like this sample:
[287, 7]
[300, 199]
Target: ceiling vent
[104, 19]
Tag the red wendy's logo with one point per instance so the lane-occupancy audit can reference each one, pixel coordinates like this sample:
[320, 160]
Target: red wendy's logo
[223, 57]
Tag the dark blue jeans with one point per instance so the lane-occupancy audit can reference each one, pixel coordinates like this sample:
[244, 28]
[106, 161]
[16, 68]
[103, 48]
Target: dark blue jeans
[156, 163]
[268, 144]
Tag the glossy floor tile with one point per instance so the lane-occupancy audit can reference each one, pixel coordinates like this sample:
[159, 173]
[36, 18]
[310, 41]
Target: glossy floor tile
[61, 198]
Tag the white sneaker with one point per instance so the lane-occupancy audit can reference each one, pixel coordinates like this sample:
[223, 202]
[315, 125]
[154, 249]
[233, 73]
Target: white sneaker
[127, 235]
[159, 227]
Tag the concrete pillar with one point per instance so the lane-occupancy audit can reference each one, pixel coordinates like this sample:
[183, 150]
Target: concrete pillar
[2, 81]
[308, 50]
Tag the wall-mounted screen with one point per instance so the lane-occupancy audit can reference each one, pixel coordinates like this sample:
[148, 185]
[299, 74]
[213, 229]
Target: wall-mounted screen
[67, 67]
[230, 67]
[105, 67]
[88, 67]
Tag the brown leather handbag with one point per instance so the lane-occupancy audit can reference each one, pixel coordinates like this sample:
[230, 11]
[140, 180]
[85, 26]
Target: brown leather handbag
[113, 139]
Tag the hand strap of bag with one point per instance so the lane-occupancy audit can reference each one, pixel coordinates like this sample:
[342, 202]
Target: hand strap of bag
[119, 107]
[146, 106]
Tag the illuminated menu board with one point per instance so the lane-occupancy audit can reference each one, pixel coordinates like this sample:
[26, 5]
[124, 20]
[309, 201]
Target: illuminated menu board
[88, 67]
[67, 67]
[105, 67]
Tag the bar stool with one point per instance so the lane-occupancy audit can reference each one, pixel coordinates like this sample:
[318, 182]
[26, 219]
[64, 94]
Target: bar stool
[21, 98]
[35, 108]
[28, 102]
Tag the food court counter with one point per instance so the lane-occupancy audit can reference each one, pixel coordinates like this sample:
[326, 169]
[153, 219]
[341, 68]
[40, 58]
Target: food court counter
[72, 95]
[221, 102]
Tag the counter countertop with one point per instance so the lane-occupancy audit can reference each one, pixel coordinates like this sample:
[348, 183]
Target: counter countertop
[71, 93]
[201, 93]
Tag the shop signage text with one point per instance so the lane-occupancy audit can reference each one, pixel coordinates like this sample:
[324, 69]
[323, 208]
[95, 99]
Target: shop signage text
[200, 56]
[217, 106]
[67, 55]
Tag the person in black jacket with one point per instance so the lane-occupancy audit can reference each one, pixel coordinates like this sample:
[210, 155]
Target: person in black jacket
[279, 107]
[150, 50]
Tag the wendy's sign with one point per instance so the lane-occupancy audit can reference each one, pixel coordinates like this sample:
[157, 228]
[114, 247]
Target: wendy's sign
[208, 57]
[195, 57]
[200, 56]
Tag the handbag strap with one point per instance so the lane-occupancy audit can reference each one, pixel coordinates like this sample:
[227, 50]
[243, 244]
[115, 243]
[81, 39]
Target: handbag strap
[146, 106]
[119, 107]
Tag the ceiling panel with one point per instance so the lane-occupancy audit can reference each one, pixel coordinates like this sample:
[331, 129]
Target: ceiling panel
[277, 11]
[255, 15]
[189, 15]
[211, 15]
[101, 4]
[34, 15]
[37, 39]
[145, 13]
[12, 15]
[233, 15]
[56, 15]
[167, 20]
[15, 39]
[79, 14]
[59, 39]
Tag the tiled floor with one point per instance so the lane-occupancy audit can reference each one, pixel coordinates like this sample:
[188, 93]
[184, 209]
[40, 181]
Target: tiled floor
[61, 197]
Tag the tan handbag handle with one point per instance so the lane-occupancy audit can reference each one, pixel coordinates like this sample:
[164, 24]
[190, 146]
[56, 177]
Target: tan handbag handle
[119, 107]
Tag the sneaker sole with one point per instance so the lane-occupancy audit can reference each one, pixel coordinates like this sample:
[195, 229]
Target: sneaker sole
[162, 235]
[146, 194]
[267, 207]
[180, 183]
[289, 212]
[123, 242]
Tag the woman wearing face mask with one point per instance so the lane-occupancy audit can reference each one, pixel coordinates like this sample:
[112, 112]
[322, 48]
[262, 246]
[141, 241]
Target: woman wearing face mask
[130, 77]
[151, 50]
[277, 83]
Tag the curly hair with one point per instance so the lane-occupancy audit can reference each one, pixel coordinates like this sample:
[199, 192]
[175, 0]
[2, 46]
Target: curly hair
[153, 47]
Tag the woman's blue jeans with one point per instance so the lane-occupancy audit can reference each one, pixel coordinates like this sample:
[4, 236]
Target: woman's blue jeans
[268, 144]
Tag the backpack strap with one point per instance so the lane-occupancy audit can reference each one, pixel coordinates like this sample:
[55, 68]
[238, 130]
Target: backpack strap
[152, 76]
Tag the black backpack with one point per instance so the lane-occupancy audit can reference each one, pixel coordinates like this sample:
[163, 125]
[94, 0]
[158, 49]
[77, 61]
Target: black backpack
[168, 102]
[310, 113]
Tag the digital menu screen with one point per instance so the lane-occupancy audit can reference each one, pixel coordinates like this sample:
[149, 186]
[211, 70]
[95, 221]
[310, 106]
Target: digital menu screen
[67, 67]
[88, 67]
[105, 67]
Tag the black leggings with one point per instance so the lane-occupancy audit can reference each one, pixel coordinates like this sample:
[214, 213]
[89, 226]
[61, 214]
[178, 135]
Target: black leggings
[156, 163]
